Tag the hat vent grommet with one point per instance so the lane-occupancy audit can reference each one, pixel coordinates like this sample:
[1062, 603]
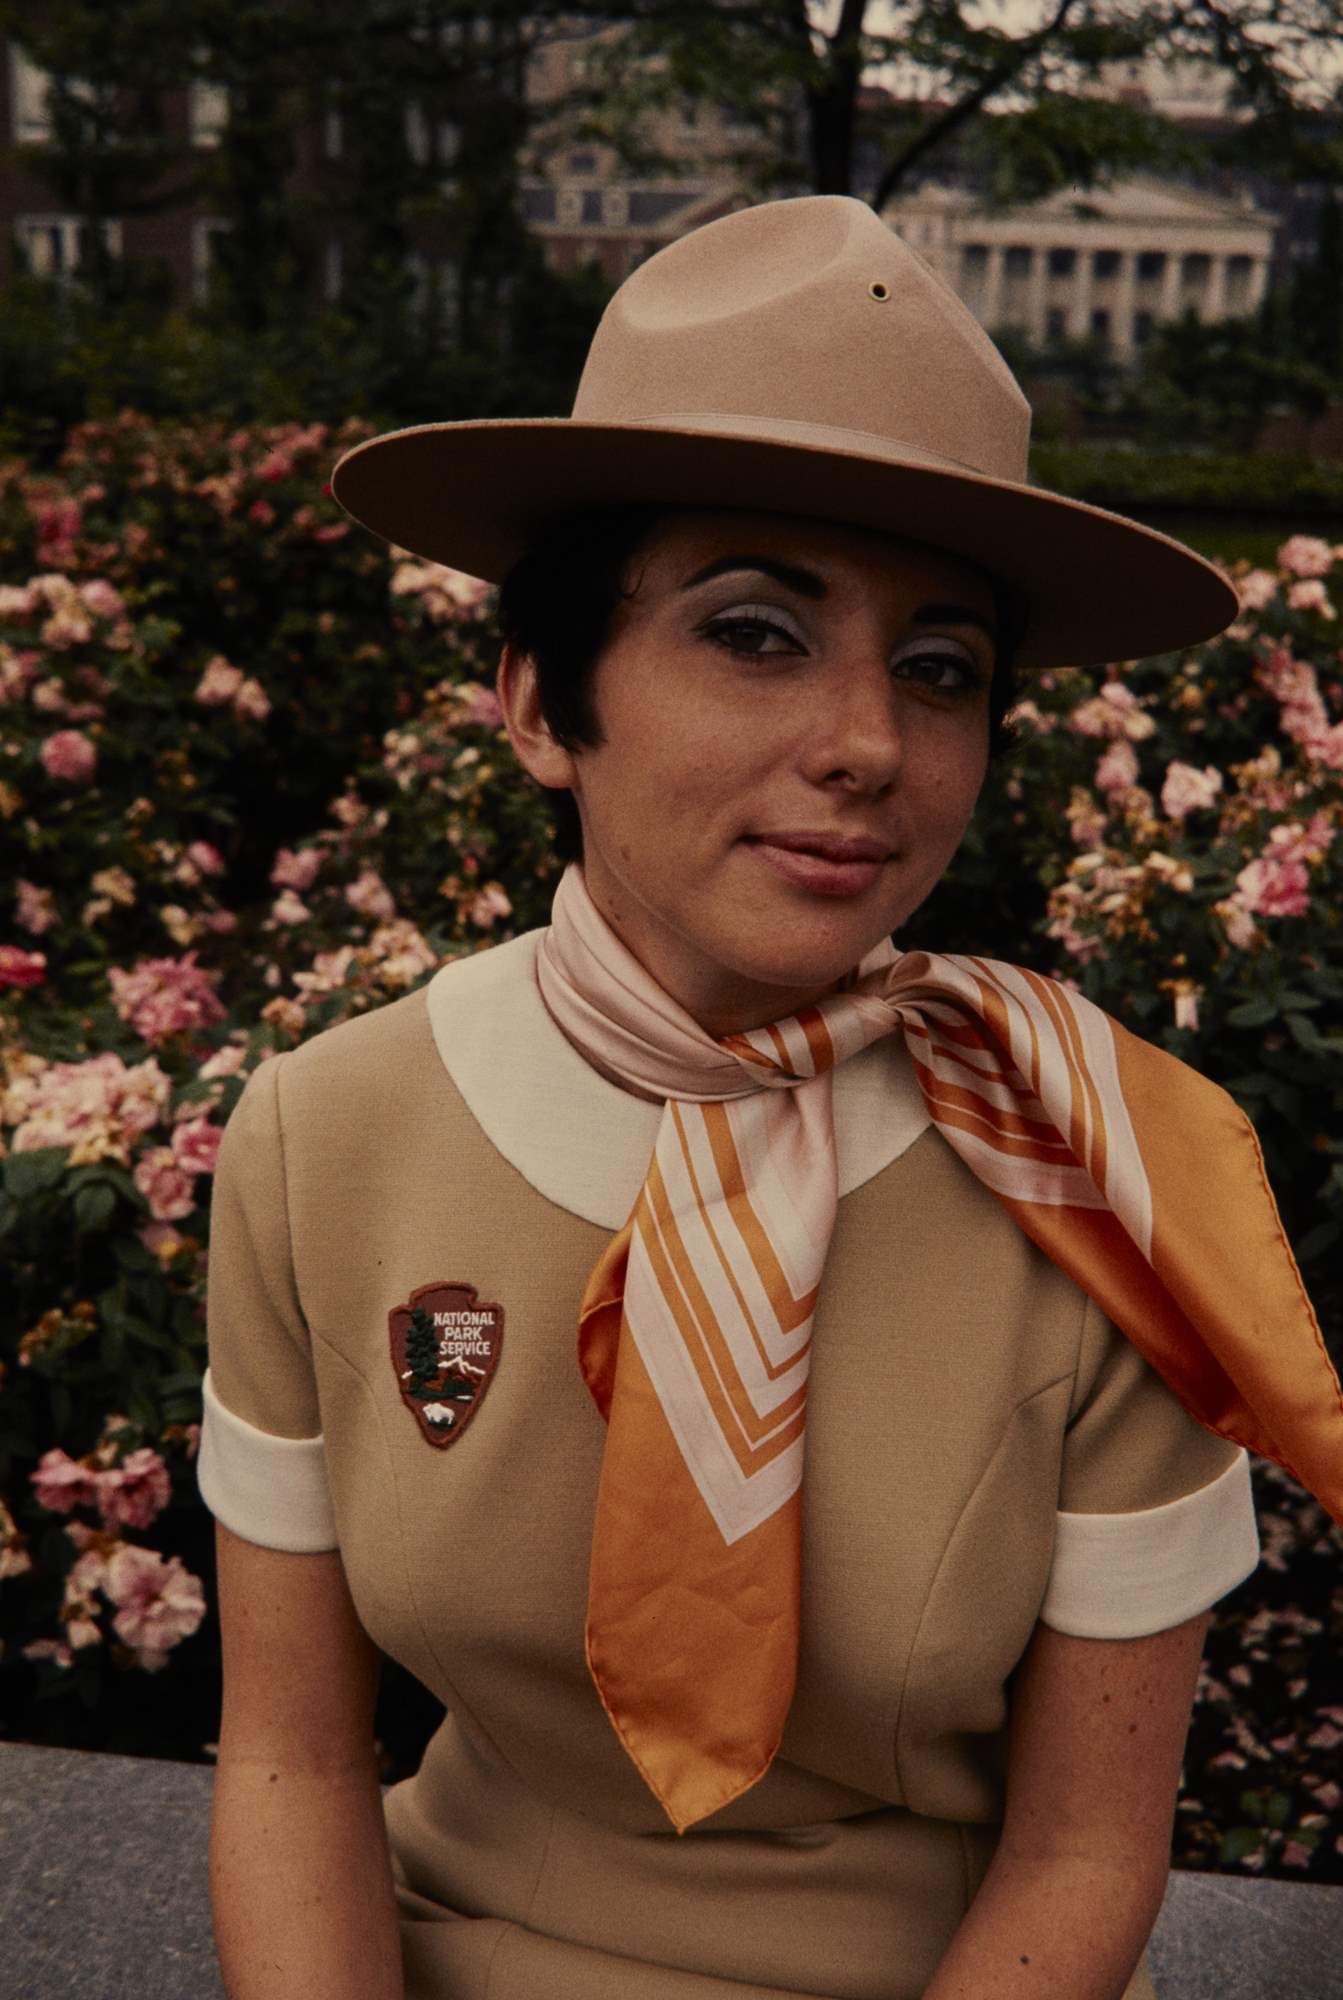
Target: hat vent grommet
[879, 291]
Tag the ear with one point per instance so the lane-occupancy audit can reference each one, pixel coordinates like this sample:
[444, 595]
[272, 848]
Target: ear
[520, 699]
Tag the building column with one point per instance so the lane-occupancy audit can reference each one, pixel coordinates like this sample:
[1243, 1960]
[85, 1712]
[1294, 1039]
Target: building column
[993, 286]
[1035, 311]
[1169, 307]
[1258, 283]
[1079, 305]
[1214, 299]
[1122, 328]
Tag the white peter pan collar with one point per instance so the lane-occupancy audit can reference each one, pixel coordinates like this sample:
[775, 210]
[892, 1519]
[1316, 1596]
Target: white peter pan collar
[581, 1141]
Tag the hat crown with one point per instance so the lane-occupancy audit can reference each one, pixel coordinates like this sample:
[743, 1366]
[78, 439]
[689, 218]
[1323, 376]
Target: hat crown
[807, 311]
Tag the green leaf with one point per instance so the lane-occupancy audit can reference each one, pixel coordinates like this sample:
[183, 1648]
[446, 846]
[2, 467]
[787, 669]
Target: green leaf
[1239, 1842]
[1278, 1809]
[29, 1174]
[94, 1208]
[1253, 1014]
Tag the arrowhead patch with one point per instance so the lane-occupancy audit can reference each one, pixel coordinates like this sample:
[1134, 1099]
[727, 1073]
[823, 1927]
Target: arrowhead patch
[445, 1349]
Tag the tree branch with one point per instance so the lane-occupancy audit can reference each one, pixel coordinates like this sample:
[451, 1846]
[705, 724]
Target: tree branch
[960, 113]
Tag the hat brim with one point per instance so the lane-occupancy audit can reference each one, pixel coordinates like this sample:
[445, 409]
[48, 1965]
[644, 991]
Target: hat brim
[1094, 586]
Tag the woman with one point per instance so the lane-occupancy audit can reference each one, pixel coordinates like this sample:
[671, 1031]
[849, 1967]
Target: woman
[908, 1723]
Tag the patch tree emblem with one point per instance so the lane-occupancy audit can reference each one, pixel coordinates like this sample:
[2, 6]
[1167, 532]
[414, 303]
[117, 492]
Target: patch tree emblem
[445, 1349]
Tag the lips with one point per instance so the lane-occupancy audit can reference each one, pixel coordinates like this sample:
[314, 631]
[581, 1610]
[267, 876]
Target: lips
[829, 846]
[822, 864]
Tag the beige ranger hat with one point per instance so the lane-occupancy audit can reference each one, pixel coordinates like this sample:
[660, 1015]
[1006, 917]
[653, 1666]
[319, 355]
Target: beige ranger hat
[798, 357]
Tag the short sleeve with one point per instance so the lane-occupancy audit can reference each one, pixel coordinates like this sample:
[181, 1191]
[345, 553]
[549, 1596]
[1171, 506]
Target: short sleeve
[1156, 1515]
[261, 1466]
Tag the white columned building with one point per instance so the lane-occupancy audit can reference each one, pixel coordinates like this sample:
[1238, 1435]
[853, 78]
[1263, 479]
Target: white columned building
[1109, 264]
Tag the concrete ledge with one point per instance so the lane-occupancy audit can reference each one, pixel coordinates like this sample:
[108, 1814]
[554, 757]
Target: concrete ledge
[103, 1893]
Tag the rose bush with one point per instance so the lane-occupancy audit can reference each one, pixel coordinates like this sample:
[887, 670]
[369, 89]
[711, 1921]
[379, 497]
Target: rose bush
[252, 781]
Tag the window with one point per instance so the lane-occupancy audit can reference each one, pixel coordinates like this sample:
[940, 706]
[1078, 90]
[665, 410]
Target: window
[333, 262]
[417, 134]
[1056, 324]
[207, 232]
[1062, 263]
[582, 163]
[1151, 264]
[1196, 268]
[1104, 263]
[31, 120]
[1238, 267]
[207, 112]
[31, 89]
[54, 245]
[591, 212]
[1142, 328]
[1018, 261]
[1100, 327]
[974, 260]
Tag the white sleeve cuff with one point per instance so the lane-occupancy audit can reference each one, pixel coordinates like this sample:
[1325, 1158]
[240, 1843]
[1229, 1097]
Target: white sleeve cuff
[269, 1490]
[1121, 1576]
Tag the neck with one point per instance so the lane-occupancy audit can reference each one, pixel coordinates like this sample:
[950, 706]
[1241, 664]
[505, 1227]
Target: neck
[719, 999]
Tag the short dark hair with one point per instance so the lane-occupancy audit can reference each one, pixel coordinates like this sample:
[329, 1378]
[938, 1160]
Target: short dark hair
[556, 605]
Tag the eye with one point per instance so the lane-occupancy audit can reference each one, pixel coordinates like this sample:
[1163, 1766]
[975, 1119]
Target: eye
[753, 629]
[943, 665]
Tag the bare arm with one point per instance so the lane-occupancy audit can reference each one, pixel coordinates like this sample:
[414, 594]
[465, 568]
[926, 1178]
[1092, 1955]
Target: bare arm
[300, 1877]
[1069, 1900]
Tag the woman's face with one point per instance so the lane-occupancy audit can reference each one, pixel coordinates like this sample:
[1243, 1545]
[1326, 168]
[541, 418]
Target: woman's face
[795, 729]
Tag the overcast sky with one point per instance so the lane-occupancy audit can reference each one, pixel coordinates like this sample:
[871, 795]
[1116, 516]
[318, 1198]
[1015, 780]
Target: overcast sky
[1018, 17]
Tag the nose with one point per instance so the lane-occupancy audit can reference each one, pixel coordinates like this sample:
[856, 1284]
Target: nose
[855, 740]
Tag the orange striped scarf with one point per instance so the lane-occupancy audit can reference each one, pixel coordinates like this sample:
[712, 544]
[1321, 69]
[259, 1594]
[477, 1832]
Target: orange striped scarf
[1137, 1176]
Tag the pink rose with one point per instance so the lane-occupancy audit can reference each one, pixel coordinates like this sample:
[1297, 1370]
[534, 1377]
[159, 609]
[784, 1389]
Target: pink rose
[482, 706]
[102, 598]
[159, 1603]
[370, 896]
[1117, 769]
[1257, 589]
[261, 512]
[21, 968]
[1306, 555]
[224, 1062]
[1188, 790]
[251, 701]
[134, 1494]
[1310, 595]
[297, 868]
[489, 904]
[37, 907]
[1270, 887]
[60, 1482]
[165, 1185]
[69, 755]
[196, 1144]
[161, 1240]
[289, 908]
[205, 857]
[219, 682]
[165, 996]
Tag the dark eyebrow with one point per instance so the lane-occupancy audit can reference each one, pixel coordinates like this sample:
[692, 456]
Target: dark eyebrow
[804, 581]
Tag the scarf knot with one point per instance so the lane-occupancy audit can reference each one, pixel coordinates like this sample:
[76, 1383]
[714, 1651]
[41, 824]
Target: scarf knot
[1138, 1177]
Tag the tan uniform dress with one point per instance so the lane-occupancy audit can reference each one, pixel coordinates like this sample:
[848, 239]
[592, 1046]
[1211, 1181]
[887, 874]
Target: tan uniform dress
[982, 1449]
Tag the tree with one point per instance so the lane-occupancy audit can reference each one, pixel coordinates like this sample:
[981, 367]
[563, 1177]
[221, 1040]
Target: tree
[770, 60]
[422, 1354]
[108, 155]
